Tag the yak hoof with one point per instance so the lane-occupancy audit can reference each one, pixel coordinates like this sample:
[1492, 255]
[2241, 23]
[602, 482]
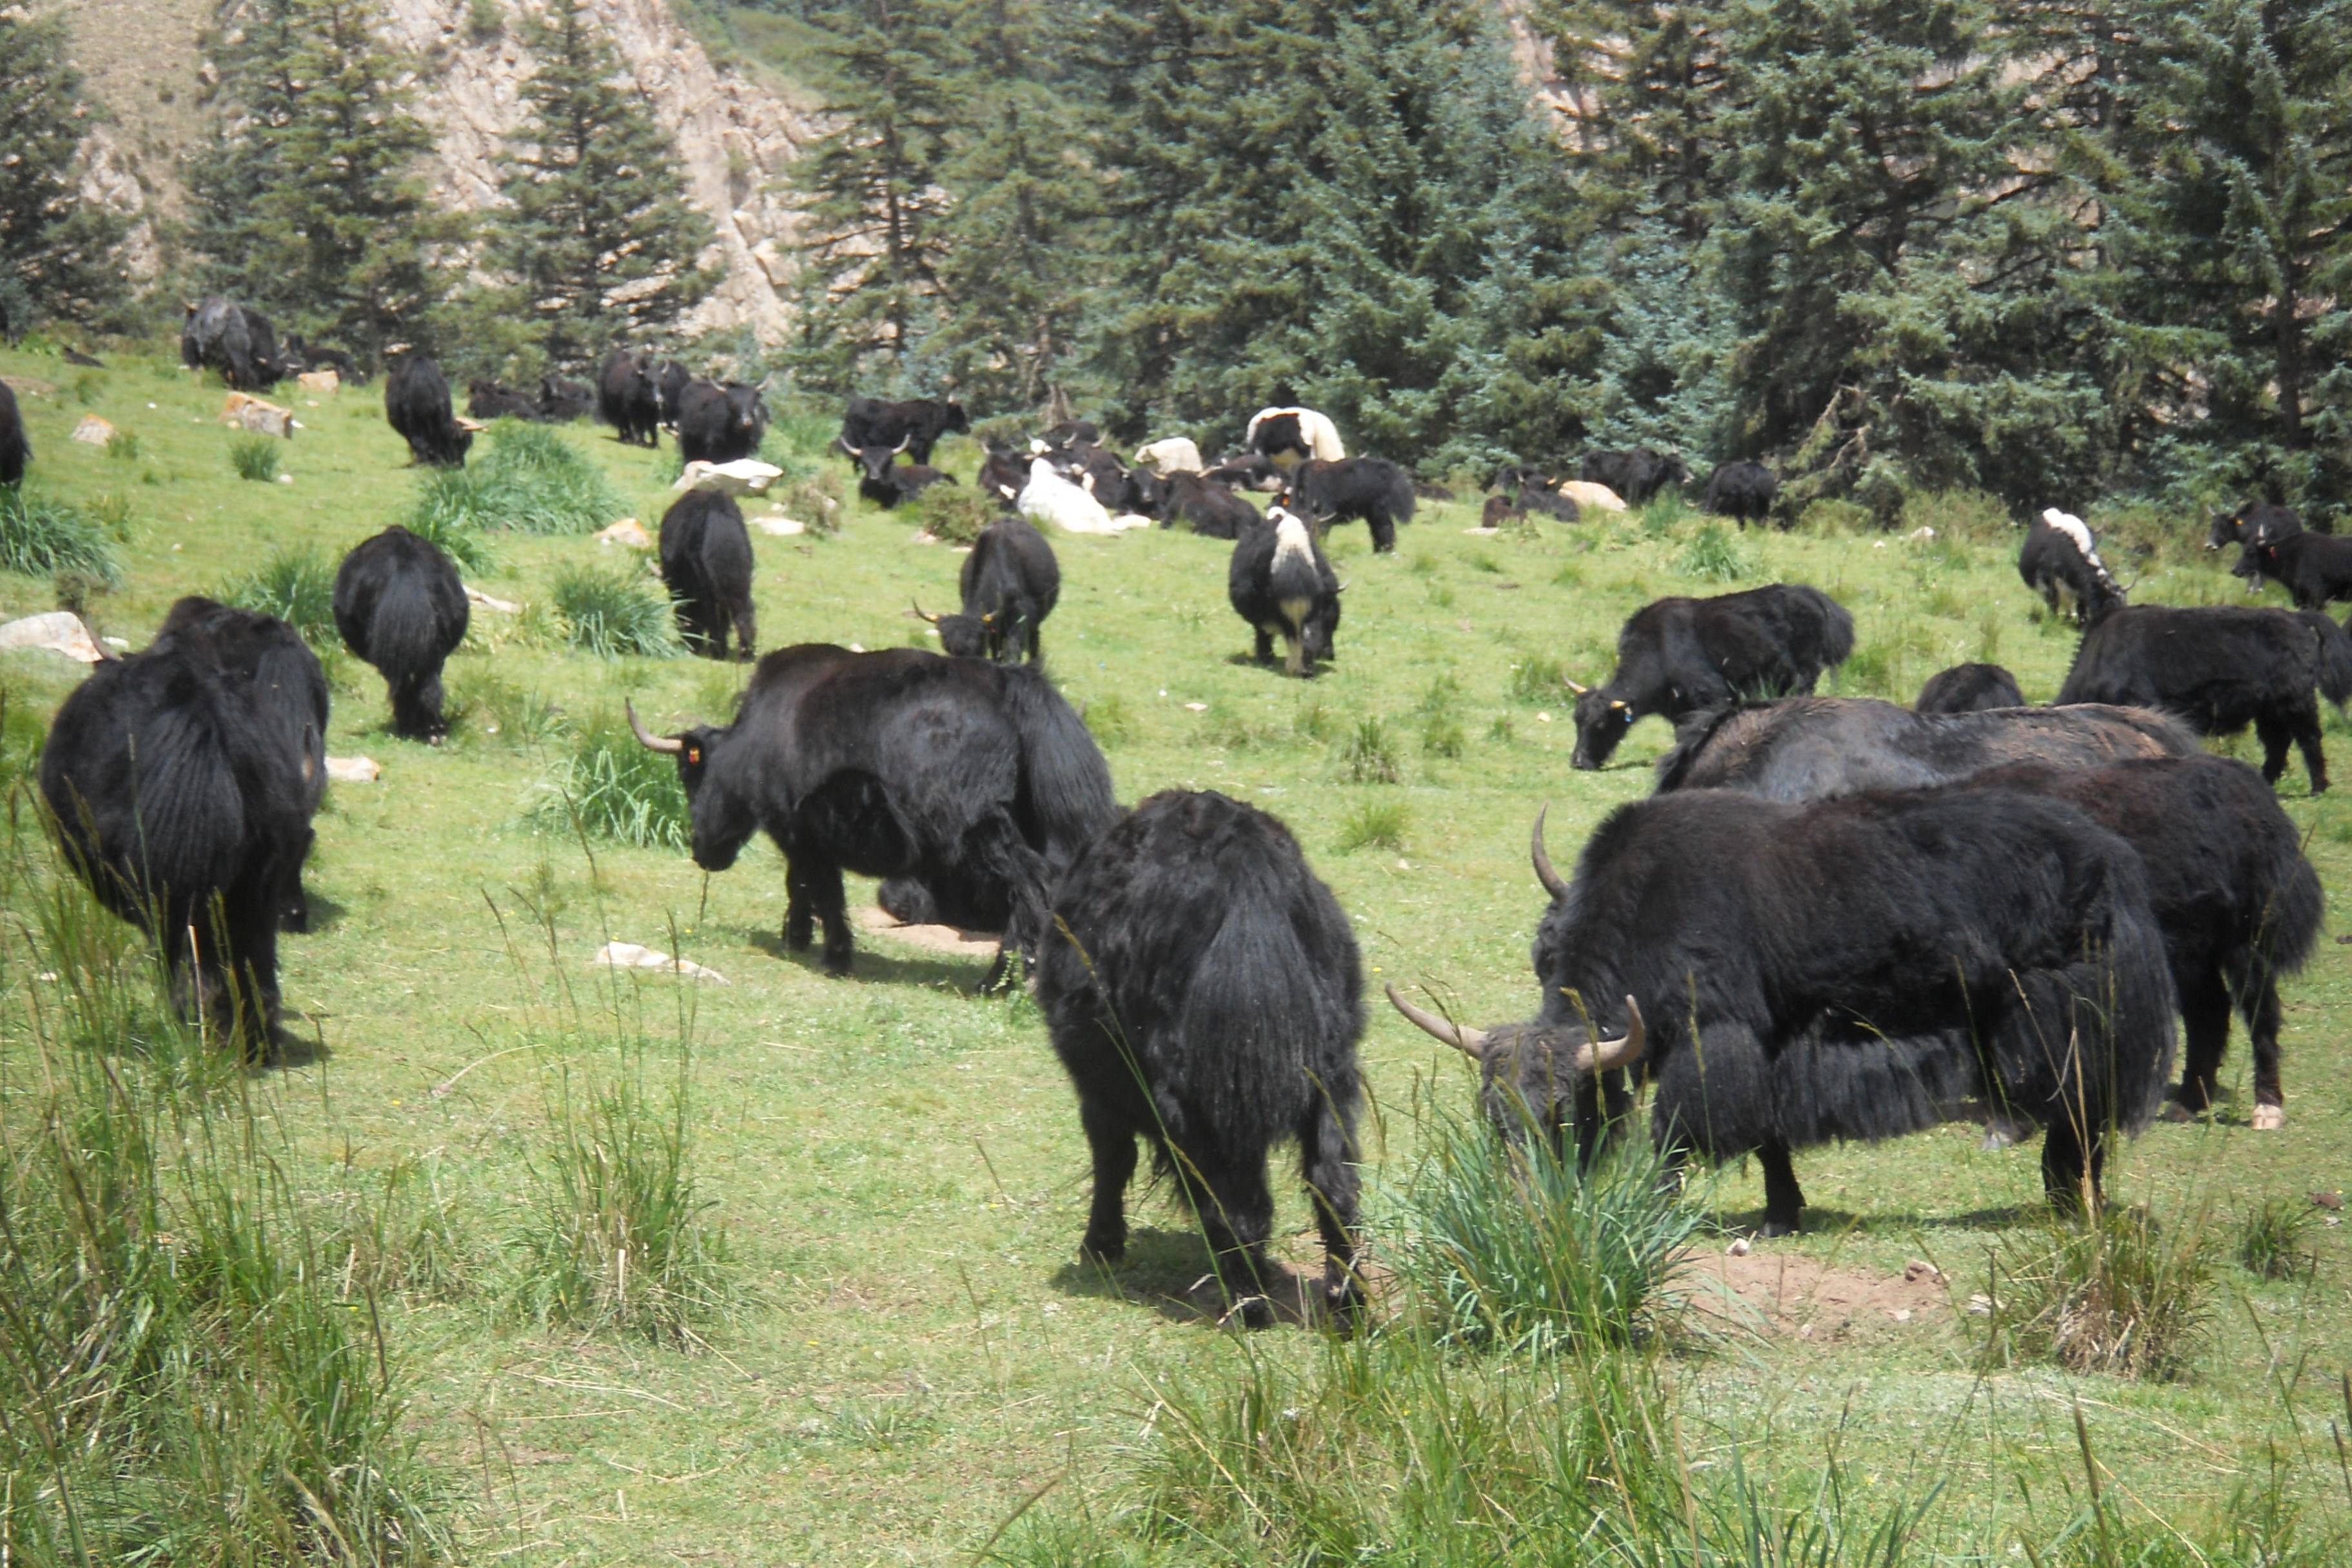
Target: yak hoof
[1254, 1312]
[2269, 1118]
[1102, 1249]
[1773, 1228]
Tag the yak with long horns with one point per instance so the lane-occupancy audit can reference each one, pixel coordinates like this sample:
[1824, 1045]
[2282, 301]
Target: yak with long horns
[1859, 968]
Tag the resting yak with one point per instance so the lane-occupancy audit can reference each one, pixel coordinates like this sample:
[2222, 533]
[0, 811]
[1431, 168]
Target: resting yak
[1678, 656]
[1204, 991]
[1787, 975]
[969, 777]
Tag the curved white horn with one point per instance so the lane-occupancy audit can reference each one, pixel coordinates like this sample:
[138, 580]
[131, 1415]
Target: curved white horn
[1470, 1042]
[1605, 1055]
[647, 738]
[923, 614]
[843, 442]
[1552, 880]
[1575, 686]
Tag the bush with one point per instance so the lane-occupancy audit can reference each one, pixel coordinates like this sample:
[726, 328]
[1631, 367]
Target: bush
[295, 586]
[531, 481]
[255, 458]
[1375, 824]
[612, 612]
[2273, 1243]
[611, 787]
[1714, 555]
[40, 537]
[2116, 1294]
[955, 514]
[1365, 757]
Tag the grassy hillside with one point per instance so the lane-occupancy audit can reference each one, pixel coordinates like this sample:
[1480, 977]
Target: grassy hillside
[910, 1352]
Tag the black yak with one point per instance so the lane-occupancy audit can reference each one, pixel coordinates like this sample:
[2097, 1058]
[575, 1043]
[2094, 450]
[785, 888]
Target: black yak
[1808, 748]
[416, 405]
[401, 608]
[1208, 508]
[886, 481]
[561, 401]
[1741, 489]
[1859, 968]
[2228, 882]
[301, 355]
[1204, 991]
[720, 423]
[627, 398]
[176, 794]
[14, 450]
[1002, 472]
[2240, 527]
[2315, 569]
[955, 771]
[1372, 488]
[1637, 474]
[1678, 656]
[2220, 668]
[1969, 688]
[2059, 561]
[235, 340]
[489, 400]
[1281, 583]
[913, 426]
[1010, 584]
[670, 380]
[706, 561]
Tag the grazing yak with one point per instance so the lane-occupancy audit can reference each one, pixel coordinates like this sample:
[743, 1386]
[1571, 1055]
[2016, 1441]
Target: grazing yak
[2220, 668]
[2061, 558]
[1809, 748]
[2228, 882]
[14, 450]
[1372, 488]
[416, 405]
[628, 398]
[1281, 583]
[706, 562]
[2315, 569]
[1285, 437]
[176, 795]
[957, 772]
[402, 607]
[1741, 489]
[1637, 474]
[1969, 688]
[1205, 506]
[1204, 989]
[1010, 584]
[1787, 975]
[913, 426]
[1678, 656]
[720, 423]
[235, 340]
[2239, 527]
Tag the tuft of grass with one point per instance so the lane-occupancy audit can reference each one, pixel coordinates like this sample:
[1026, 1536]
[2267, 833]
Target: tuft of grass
[611, 787]
[2116, 1294]
[1714, 555]
[955, 514]
[1312, 720]
[453, 534]
[2273, 1240]
[41, 536]
[124, 447]
[613, 612]
[295, 586]
[487, 703]
[1442, 736]
[1875, 669]
[1364, 755]
[1374, 825]
[1538, 678]
[531, 481]
[1108, 721]
[255, 458]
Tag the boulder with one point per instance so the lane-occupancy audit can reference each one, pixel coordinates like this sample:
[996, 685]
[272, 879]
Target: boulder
[58, 631]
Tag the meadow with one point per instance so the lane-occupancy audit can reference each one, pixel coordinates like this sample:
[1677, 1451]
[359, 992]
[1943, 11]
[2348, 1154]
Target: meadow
[868, 1339]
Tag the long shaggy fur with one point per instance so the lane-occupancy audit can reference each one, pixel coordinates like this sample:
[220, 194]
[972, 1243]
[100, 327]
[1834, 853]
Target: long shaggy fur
[1010, 584]
[235, 340]
[1637, 473]
[706, 561]
[1969, 688]
[1372, 488]
[14, 450]
[401, 607]
[2315, 569]
[720, 423]
[628, 399]
[416, 405]
[1204, 991]
[1809, 748]
[2060, 559]
[1741, 489]
[917, 421]
[1678, 656]
[1281, 583]
[1208, 508]
[1296, 433]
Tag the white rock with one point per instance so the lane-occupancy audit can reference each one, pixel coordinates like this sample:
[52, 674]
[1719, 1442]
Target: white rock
[353, 769]
[779, 524]
[93, 431]
[319, 379]
[58, 631]
[628, 532]
[745, 476]
[629, 956]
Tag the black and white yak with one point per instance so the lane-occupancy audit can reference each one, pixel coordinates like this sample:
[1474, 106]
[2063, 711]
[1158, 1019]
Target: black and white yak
[1280, 582]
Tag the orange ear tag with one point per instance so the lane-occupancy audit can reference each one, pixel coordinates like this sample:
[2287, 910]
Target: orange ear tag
[694, 755]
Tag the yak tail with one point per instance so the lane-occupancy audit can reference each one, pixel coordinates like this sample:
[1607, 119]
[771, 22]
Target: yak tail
[1837, 629]
[2290, 921]
[2335, 657]
[404, 634]
[1063, 773]
[1401, 498]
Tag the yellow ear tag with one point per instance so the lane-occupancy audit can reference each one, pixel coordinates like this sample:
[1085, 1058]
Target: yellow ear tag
[694, 755]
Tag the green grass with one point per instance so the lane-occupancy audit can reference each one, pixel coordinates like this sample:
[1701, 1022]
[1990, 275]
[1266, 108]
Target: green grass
[908, 1350]
[532, 479]
[298, 586]
[40, 535]
[614, 611]
[255, 458]
[612, 788]
[1375, 825]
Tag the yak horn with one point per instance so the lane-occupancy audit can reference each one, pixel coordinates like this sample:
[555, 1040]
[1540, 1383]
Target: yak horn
[904, 442]
[647, 738]
[1606, 1056]
[843, 442]
[922, 615]
[1575, 686]
[1470, 1042]
[1550, 878]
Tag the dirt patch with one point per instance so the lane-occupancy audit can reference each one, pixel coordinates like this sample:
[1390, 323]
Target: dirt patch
[935, 938]
[1789, 1293]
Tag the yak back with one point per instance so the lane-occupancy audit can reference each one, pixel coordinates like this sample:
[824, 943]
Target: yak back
[1779, 637]
[399, 604]
[2216, 666]
[1811, 748]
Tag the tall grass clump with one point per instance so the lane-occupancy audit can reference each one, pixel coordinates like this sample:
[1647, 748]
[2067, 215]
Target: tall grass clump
[1538, 678]
[953, 513]
[1374, 825]
[185, 1380]
[2116, 1294]
[617, 1237]
[1714, 555]
[2274, 1239]
[255, 458]
[41, 536]
[295, 586]
[531, 480]
[610, 787]
[1365, 754]
[613, 612]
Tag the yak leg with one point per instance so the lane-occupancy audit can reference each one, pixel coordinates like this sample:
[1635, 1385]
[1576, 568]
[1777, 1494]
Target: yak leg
[1264, 652]
[1784, 1200]
[1112, 1143]
[822, 883]
[2205, 1014]
[800, 895]
[2307, 740]
[2273, 736]
[995, 845]
[2073, 1156]
[2261, 1005]
[1327, 1157]
[1237, 1212]
[1383, 529]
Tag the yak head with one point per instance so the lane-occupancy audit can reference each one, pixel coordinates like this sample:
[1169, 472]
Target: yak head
[962, 636]
[723, 818]
[876, 461]
[747, 412]
[1531, 1074]
[1601, 722]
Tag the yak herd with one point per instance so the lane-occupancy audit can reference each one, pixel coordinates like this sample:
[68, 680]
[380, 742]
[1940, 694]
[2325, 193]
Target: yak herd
[1834, 918]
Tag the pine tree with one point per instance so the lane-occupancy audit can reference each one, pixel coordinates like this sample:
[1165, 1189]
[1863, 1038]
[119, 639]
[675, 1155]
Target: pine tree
[872, 194]
[57, 251]
[308, 203]
[599, 244]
